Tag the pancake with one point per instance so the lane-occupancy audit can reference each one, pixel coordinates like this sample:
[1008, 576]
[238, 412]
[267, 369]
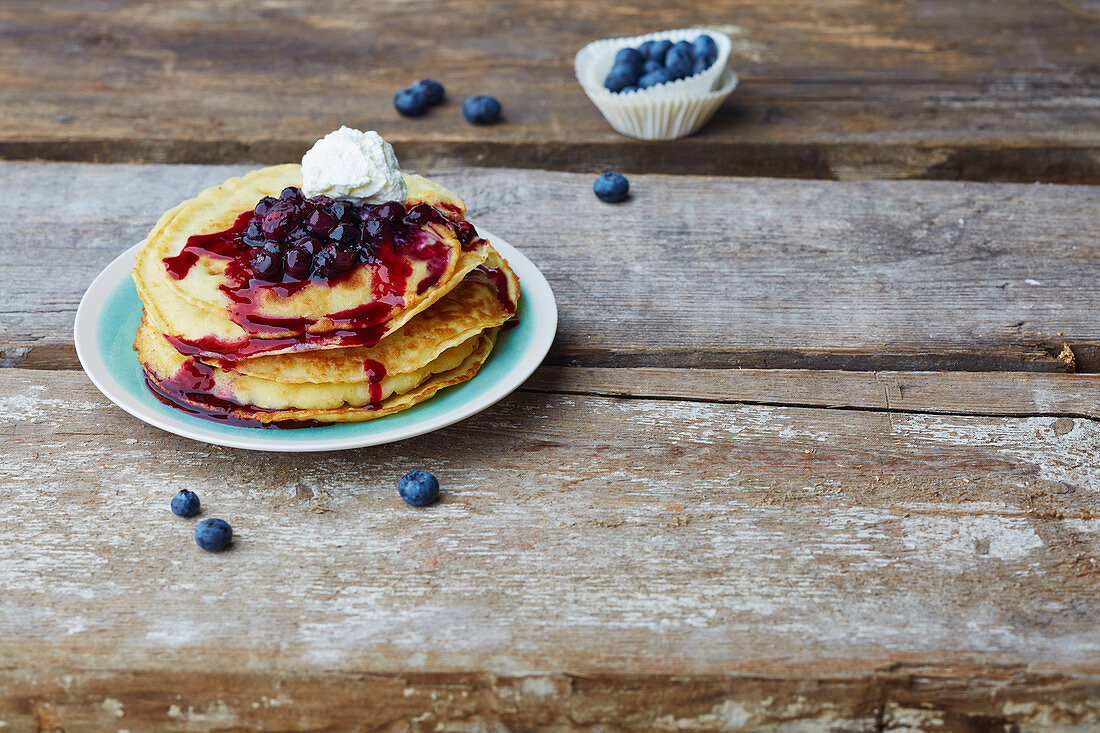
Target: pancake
[202, 310]
[206, 392]
[478, 303]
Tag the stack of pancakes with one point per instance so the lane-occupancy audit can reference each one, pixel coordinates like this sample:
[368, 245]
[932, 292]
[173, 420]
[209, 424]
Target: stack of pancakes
[388, 333]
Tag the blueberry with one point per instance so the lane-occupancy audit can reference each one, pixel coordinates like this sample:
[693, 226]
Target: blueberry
[213, 535]
[344, 211]
[679, 60]
[345, 234]
[267, 266]
[651, 65]
[629, 58]
[309, 245]
[646, 49]
[410, 102]
[378, 230]
[292, 193]
[620, 77]
[418, 488]
[659, 49]
[653, 78]
[679, 69]
[333, 260]
[320, 222]
[611, 187]
[701, 63]
[390, 210]
[432, 90]
[344, 258]
[624, 90]
[681, 47]
[298, 263]
[185, 503]
[422, 214]
[279, 219]
[481, 110]
[264, 204]
[254, 242]
[705, 46]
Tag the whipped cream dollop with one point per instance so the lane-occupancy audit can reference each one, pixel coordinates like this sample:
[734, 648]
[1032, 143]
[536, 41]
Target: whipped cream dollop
[349, 164]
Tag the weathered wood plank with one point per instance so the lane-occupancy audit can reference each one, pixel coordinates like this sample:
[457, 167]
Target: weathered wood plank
[975, 90]
[980, 393]
[691, 272]
[985, 393]
[936, 699]
[708, 556]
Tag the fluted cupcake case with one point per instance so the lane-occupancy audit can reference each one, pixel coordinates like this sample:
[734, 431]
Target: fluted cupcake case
[663, 112]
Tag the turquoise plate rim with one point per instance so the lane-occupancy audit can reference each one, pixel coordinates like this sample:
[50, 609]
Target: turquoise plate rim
[109, 313]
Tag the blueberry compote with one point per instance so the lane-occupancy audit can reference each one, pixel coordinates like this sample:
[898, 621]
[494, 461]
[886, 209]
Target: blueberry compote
[190, 390]
[290, 242]
[499, 282]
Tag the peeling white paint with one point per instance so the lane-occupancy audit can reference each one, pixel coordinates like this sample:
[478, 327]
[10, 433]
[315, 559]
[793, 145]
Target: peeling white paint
[1054, 717]
[1068, 458]
[32, 404]
[910, 720]
[1088, 526]
[113, 706]
[733, 714]
[740, 715]
[962, 539]
[539, 686]
[216, 713]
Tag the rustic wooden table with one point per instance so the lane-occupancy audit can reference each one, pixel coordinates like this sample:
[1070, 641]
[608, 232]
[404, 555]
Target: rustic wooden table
[807, 454]
[970, 89]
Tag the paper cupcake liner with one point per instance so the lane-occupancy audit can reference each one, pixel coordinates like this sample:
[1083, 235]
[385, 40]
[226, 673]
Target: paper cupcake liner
[663, 118]
[593, 62]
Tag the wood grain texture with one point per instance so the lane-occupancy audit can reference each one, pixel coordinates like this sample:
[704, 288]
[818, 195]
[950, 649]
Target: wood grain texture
[690, 272]
[864, 89]
[595, 562]
[983, 393]
[902, 697]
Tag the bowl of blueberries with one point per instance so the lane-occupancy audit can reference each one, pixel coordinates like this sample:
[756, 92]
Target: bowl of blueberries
[659, 86]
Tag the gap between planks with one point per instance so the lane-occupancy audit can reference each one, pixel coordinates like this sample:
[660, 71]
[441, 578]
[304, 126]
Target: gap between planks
[815, 159]
[991, 394]
[1038, 358]
[1001, 394]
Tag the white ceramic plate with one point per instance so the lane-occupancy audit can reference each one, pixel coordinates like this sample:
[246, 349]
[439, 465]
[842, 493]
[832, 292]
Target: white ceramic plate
[108, 317]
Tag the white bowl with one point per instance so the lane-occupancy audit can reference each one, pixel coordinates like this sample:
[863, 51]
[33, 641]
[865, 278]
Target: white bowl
[663, 112]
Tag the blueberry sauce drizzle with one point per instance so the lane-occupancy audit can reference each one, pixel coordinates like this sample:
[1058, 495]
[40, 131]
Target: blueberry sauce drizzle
[215, 348]
[189, 390]
[499, 282]
[376, 372]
